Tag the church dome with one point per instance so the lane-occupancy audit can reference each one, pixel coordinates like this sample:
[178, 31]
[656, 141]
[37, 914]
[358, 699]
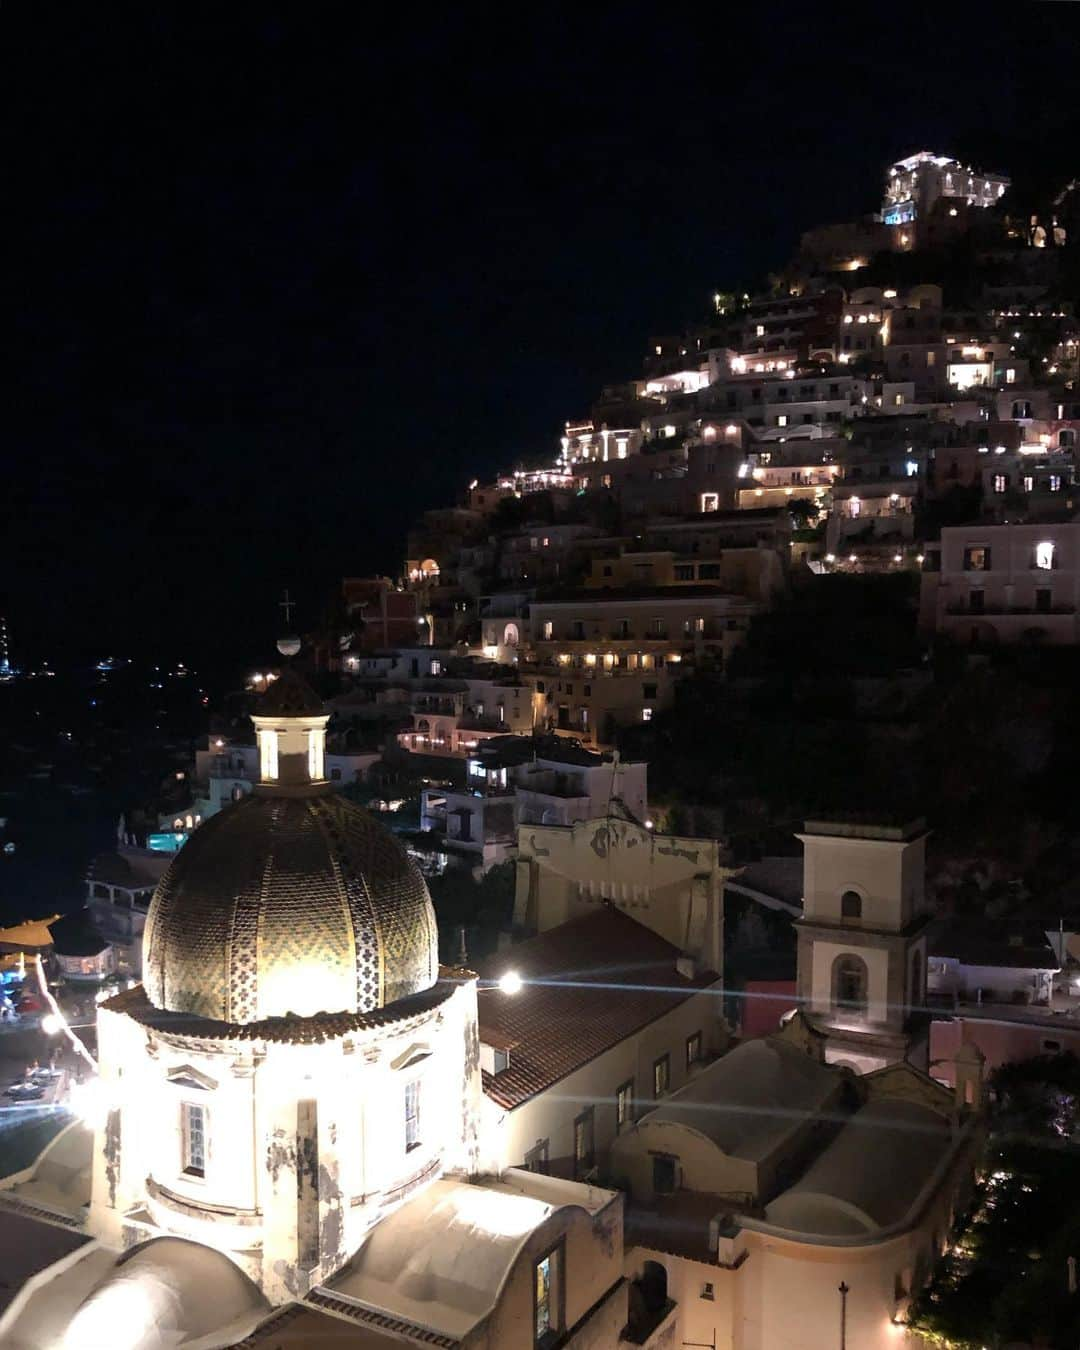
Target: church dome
[289, 905]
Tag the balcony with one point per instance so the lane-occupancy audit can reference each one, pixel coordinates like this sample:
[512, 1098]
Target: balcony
[999, 611]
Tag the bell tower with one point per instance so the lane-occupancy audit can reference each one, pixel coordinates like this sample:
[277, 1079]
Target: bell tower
[862, 939]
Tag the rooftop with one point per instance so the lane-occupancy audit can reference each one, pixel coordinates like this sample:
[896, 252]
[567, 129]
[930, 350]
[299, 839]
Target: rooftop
[588, 985]
[983, 942]
[748, 1101]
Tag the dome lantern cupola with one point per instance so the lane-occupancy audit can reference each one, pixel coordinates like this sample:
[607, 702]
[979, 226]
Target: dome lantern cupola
[290, 728]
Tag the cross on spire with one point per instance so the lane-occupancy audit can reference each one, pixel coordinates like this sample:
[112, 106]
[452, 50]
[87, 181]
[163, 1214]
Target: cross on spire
[287, 607]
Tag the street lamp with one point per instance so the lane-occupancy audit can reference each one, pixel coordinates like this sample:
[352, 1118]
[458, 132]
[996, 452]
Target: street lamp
[510, 983]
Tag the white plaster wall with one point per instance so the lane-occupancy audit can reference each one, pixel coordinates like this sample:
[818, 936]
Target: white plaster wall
[884, 872]
[247, 1203]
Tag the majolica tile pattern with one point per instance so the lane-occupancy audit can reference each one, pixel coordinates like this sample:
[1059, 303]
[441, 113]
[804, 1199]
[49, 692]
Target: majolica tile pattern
[288, 906]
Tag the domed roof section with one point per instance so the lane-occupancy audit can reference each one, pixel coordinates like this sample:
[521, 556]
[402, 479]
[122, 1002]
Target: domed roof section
[290, 695]
[289, 905]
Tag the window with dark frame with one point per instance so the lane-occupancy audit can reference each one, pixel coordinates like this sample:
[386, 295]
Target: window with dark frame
[693, 1048]
[536, 1159]
[624, 1105]
[584, 1150]
[412, 1115]
[548, 1297]
[193, 1138]
[661, 1075]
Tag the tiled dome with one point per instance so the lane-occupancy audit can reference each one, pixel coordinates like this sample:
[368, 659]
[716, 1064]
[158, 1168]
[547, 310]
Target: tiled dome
[286, 905]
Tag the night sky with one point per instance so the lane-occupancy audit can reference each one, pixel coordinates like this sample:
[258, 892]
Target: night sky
[278, 283]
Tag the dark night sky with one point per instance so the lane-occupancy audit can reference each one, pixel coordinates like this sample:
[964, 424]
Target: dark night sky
[277, 283]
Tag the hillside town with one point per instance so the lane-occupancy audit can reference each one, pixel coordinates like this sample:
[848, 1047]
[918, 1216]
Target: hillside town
[732, 742]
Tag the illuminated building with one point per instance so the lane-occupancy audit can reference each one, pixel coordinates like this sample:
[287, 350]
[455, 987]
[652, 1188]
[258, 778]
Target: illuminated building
[289, 1108]
[987, 584]
[913, 187]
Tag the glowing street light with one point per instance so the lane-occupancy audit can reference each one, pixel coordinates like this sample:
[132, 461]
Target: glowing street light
[52, 1024]
[510, 983]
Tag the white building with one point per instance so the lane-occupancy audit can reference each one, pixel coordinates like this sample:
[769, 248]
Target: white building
[862, 939]
[511, 781]
[987, 584]
[773, 1179]
[610, 1019]
[915, 184]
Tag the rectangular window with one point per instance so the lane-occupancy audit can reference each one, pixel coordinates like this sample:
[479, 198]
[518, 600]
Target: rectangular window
[584, 1153]
[661, 1075]
[548, 1298]
[316, 756]
[1001, 482]
[781, 421]
[693, 1049]
[193, 1139]
[412, 1115]
[268, 756]
[977, 601]
[1055, 482]
[709, 572]
[536, 1160]
[663, 1173]
[624, 1105]
[646, 714]
[547, 630]
[977, 559]
[1043, 599]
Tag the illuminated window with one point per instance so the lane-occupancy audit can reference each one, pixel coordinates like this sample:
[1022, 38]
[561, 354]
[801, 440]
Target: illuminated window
[1055, 482]
[548, 1298]
[977, 558]
[1010, 375]
[412, 1115]
[193, 1139]
[646, 714]
[1001, 482]
[661, 1075]
[781, 421]
[316, 755]
[710, 501]
[854, 507]
[547, 629]
[761, 330]
[1044, 555]
[1029, 482]
[268, 756]
[693, 1049]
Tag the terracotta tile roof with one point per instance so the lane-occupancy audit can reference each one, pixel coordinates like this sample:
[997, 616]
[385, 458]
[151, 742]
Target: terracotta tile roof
[589, 984]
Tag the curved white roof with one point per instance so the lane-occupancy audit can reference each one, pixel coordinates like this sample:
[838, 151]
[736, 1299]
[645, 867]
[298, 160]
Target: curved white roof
[440, 1260]
[870, 1175]
[748, 1101]
[60, 1177]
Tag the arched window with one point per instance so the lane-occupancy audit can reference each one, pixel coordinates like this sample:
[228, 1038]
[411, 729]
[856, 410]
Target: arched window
[851, 905]
[510, 635]
[849, 982]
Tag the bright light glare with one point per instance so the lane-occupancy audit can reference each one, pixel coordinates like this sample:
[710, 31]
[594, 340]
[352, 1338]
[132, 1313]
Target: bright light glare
[510, 983]
[89, 1101]
[52, 1024]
